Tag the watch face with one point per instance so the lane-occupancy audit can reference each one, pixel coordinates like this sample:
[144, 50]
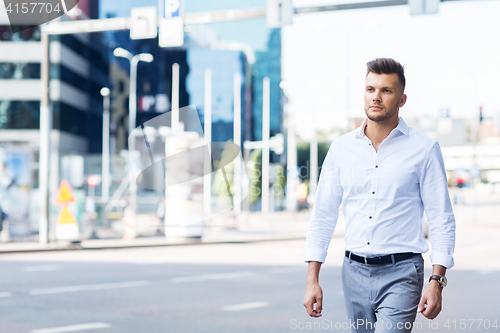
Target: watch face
[444, 281]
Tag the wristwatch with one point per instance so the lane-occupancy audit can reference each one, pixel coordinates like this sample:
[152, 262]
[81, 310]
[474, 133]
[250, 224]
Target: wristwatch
[443, 281]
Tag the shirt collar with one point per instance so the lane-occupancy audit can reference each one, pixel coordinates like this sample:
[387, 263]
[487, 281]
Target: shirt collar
[402, 127]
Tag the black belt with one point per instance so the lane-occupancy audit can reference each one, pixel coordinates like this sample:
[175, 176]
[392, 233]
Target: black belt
[381, 260]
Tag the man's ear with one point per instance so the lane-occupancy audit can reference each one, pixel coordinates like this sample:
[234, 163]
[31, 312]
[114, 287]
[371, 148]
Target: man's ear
[402, 100]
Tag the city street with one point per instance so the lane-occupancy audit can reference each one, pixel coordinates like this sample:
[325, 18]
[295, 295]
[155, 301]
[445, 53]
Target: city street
[238, 287]
[160, 161]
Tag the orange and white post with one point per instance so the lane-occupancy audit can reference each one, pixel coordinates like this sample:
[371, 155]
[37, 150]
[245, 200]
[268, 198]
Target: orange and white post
[66, 224]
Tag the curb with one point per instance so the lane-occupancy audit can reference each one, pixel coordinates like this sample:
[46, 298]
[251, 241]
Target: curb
[72, 247]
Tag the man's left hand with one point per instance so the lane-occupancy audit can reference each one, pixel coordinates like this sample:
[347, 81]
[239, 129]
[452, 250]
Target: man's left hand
[430, 303]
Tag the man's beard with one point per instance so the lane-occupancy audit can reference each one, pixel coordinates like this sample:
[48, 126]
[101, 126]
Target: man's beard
[382, 117]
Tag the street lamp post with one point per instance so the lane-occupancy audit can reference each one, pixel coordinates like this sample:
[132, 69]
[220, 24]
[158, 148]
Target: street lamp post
[134, 60]
[105, 145]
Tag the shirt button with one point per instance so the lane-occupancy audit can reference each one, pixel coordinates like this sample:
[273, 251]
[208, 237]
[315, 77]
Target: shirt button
[370, 217]
[373, 192]
[376, 166]
[368, 243]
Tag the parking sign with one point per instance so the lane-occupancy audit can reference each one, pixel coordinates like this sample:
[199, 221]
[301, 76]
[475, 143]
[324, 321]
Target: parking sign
[171, 23]
[171, 8]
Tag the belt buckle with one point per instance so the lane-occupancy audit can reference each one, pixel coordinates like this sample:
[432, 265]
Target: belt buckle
[366, 260]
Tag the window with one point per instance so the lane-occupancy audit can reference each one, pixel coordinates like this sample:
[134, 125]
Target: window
[19, 71]
[32, 34]
[19, 114]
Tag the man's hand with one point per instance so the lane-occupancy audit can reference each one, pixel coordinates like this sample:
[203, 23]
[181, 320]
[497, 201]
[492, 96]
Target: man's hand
[314, 295]
[430, 303]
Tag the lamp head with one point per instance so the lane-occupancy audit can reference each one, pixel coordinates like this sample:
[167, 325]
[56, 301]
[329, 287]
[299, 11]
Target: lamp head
[122, 53]
[147, 57]
[105, 92]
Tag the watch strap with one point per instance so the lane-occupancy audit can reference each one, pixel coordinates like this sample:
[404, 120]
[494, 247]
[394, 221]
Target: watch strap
[439, 278]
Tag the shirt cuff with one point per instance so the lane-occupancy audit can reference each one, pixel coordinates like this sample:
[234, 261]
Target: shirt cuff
[314, 254]
[443, 259]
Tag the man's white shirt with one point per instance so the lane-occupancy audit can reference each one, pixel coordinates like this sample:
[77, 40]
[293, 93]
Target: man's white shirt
[383, 194]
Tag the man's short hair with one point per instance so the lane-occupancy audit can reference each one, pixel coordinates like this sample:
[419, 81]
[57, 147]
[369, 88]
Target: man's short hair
[387, 66]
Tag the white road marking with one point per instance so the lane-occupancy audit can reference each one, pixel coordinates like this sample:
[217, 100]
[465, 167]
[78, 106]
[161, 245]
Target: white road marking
[72, 328]
[45, 268]
[245, 306]
[5, 294]
[206, 277]
[70, 289]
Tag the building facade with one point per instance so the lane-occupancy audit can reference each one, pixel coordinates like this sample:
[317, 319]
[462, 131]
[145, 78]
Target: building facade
[78, 70]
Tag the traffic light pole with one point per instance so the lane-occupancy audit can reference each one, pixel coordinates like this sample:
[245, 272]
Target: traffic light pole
[346, 6]
[45, 130]
[266, 109]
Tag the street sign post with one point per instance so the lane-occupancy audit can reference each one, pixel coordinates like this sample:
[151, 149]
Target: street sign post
[144, 23]
[66, 223]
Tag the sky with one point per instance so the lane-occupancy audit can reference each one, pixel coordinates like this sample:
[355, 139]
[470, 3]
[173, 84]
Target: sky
[451, 59]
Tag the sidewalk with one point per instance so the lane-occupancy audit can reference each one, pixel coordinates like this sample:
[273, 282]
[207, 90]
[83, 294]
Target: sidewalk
[474, 223]
[250, 227]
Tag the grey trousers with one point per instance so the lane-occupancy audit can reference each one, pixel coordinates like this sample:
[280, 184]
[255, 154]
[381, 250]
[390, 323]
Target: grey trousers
[382, 298]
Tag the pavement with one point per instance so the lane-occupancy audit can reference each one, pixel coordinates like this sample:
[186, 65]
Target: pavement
[248, 227]
[475, 212]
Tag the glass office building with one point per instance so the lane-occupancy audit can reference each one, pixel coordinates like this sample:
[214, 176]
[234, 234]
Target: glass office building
[82, 116]
[78, 71]
[266, 48]
[259, 49]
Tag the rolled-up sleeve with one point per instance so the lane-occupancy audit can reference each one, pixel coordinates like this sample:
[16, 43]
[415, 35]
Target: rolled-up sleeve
[325, 210]
[437, 205]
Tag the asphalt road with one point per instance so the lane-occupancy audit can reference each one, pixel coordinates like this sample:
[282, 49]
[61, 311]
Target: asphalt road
[253, 287]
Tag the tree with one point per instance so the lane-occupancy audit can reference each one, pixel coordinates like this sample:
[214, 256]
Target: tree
[255, 174]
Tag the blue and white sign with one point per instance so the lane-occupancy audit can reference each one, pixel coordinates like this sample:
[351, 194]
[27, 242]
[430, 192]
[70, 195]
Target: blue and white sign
[171, 23]
[171, 8]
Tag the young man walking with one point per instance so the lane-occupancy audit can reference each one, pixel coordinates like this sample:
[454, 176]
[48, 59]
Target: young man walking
[385, 175]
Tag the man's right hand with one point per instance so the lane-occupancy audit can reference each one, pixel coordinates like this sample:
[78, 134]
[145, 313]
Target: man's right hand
[314, 295]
